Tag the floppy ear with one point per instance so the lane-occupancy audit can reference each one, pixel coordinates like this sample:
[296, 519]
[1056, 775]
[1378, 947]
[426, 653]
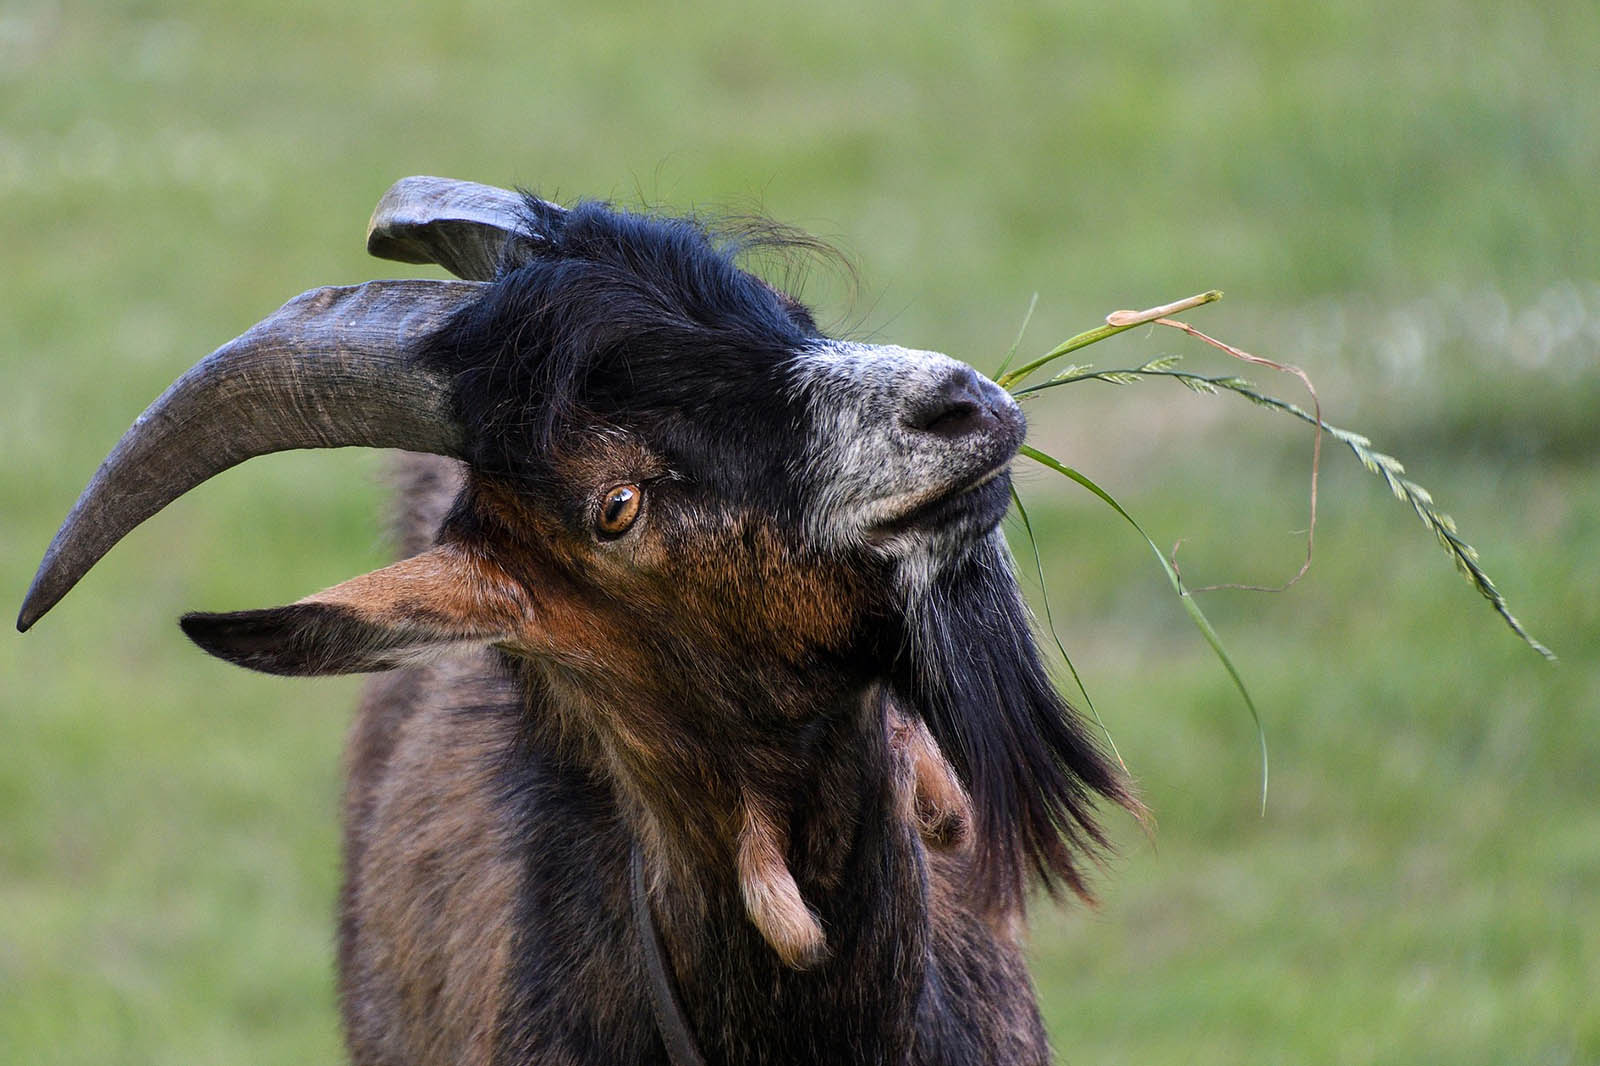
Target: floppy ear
[402, 614]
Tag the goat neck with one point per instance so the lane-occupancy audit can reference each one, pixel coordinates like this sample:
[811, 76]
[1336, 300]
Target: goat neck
[790, 893]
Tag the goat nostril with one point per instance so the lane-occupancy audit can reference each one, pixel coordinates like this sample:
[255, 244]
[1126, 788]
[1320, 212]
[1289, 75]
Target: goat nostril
[953, 420]
[954, 410]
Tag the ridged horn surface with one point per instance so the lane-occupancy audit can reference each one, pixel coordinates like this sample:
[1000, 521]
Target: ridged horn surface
[467, 228]
[332, 368]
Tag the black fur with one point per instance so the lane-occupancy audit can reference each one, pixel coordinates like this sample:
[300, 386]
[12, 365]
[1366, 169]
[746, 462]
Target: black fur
[639, 321]
[859, 1006]
[970, 665]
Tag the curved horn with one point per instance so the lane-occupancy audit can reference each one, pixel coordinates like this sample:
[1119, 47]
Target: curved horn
[332, 368]
[469, 229]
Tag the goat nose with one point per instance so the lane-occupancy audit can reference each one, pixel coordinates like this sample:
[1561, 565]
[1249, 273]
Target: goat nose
[959, 406]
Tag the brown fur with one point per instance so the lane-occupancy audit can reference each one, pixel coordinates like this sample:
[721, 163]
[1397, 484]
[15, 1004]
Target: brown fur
[426, 487]
[449, 594]
[432, 877]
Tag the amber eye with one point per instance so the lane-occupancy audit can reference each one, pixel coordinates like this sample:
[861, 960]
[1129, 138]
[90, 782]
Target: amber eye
[618, 510]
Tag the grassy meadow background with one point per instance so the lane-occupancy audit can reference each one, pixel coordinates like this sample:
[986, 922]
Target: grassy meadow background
[1401, 198]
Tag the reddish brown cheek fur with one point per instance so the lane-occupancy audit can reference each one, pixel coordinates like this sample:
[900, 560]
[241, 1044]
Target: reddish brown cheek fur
[734, 580]
[752, 583]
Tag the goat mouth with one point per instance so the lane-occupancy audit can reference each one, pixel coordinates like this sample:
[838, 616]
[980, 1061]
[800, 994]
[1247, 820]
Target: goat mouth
[977, 504]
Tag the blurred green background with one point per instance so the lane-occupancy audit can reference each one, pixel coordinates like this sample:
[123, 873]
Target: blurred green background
[1399, 197]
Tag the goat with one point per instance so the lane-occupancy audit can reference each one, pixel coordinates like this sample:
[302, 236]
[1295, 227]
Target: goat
[715, 729]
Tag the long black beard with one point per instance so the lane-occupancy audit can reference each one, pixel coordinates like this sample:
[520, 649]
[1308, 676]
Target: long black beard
[970, 666]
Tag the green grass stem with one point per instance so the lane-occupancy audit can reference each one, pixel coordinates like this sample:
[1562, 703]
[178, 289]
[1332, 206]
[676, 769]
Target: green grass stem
[1011, 353]
[1442, 525]
[1118, 322]
[1050, 624]
[1196, 615]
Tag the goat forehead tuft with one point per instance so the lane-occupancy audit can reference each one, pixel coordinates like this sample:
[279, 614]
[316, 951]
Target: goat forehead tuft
[620, 316]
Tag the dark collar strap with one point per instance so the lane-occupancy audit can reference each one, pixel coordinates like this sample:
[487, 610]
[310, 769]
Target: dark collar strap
[674, 1027]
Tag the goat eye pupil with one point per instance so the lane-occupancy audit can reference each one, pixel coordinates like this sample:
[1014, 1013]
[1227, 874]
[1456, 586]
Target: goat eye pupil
[619, 510]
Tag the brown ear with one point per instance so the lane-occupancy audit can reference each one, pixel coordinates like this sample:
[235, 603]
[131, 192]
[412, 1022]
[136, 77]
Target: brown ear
[402, 614]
